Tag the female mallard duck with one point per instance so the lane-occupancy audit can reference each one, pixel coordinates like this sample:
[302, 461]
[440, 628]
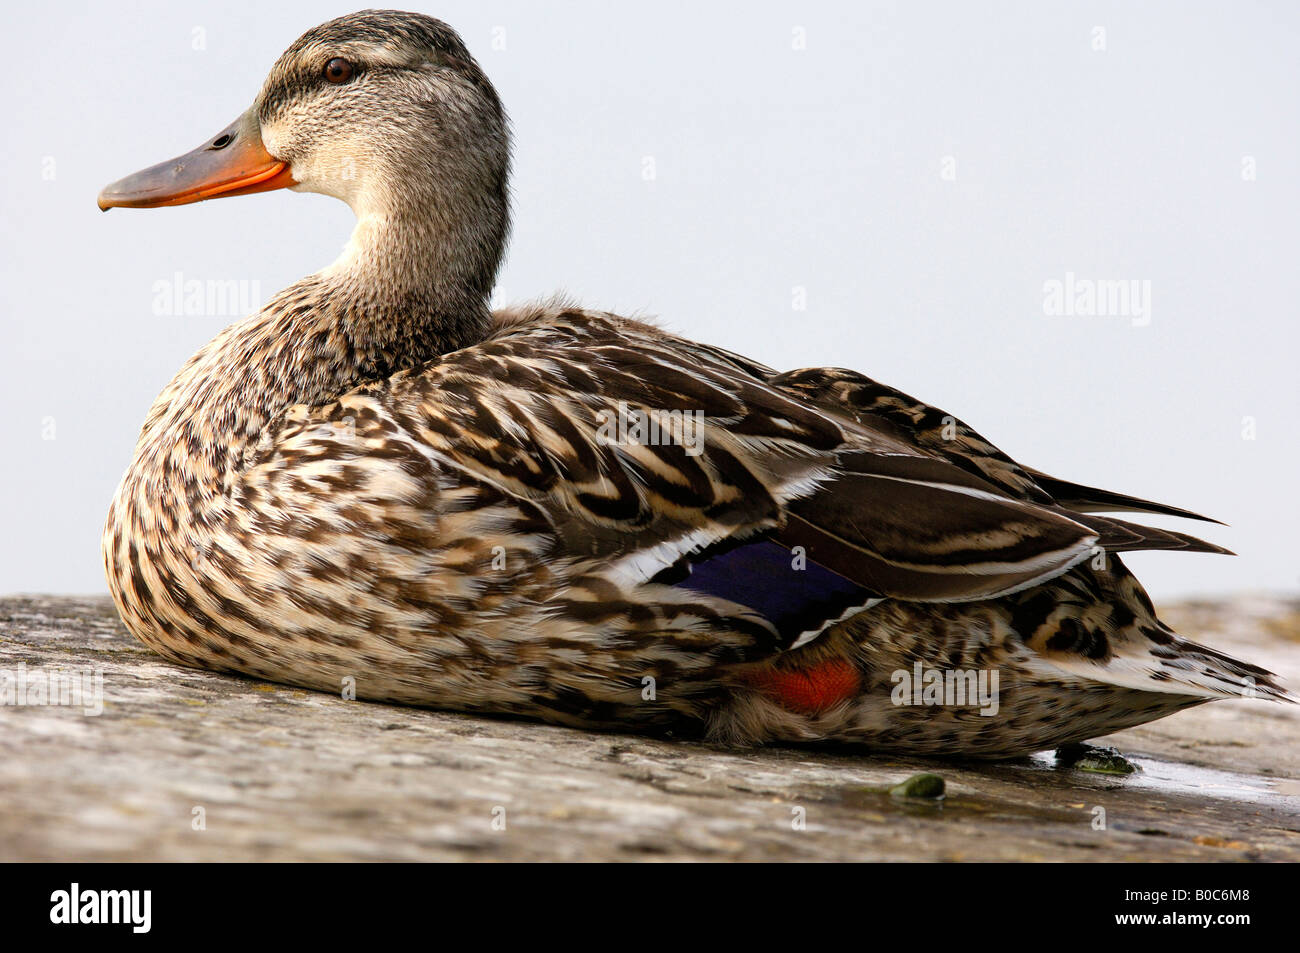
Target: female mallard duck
[558, 513]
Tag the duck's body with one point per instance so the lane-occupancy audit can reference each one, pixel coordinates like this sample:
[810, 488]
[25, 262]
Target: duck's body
[377, 484]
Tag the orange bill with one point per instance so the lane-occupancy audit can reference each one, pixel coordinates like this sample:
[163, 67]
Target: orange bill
[233, 162]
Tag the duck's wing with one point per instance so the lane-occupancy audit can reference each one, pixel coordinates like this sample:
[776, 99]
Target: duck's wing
[877, 406]
[738, 470]
[1089, 499]
[886, 410]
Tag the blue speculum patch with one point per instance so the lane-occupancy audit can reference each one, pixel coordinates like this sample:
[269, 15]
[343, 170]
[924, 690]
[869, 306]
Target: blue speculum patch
[763, 576]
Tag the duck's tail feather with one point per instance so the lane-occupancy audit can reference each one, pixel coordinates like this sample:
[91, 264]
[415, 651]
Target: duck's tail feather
[1099, 624]
[1175, 666]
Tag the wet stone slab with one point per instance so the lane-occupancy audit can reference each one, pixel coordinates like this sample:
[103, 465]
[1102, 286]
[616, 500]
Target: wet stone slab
[185, 765]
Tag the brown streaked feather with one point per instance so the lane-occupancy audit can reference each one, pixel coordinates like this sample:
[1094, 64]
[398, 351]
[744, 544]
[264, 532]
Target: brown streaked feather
[1087, 499]
[1121, 536]
[886, 411]
[918, 528]
[876, 405]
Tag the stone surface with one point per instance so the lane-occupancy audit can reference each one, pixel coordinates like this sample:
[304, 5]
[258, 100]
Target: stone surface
[275, 773]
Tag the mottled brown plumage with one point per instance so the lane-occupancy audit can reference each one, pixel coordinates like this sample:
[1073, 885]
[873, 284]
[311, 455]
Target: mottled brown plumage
[377, 482]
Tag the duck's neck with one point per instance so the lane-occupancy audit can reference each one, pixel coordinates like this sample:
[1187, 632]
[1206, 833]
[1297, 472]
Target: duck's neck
[405, 291]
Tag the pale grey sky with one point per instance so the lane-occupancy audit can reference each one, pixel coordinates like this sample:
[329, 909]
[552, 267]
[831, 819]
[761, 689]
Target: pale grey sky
[912, 174]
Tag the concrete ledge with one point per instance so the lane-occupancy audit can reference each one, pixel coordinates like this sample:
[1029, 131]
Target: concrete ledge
[274, 773]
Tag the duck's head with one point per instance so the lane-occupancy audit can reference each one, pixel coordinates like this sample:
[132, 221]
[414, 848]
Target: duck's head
[383, 109]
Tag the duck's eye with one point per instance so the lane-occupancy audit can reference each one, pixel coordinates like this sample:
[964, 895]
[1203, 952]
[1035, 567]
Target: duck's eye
[338, 71]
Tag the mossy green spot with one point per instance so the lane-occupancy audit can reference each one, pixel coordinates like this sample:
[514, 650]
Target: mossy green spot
[920, 785]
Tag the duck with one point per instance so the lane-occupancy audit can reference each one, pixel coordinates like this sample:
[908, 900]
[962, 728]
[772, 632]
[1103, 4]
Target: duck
[379, 486]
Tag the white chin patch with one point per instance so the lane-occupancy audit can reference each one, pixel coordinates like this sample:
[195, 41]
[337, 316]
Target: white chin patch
[269, 139]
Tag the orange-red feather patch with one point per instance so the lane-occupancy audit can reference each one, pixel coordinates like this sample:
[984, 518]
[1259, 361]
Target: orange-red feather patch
[812, 690]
